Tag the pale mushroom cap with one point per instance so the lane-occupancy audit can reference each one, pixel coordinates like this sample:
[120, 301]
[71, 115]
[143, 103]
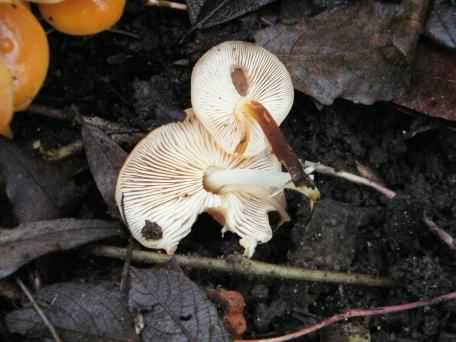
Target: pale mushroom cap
[215, 97]
[162, 184]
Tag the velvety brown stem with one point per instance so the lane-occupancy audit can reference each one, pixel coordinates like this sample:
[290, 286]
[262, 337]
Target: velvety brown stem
[279, 144]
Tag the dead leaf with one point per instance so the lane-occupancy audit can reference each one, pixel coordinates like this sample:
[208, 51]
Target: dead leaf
[362, 53]
[434, 84]
[173, 308]
[208, 13]
[31, 240]
[105, 158]
[441, 25]
[79, 312]
[37, 190]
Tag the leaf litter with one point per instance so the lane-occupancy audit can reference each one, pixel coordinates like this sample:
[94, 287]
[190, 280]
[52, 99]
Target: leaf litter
[163, 305]
[365, 55]
[363, 52]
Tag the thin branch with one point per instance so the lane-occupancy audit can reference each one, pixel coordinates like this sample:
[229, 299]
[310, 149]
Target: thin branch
[77, 146]
[168, 4]
[38, 310]
[126, 268]
[356, 313]
[244, 266]
[440, 233]
[330, 171]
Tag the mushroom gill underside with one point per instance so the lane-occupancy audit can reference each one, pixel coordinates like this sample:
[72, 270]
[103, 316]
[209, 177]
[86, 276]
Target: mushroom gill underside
[161, 189]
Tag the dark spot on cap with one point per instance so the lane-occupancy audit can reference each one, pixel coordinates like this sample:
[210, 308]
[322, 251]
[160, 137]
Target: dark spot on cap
[151, 231]
[239, 80]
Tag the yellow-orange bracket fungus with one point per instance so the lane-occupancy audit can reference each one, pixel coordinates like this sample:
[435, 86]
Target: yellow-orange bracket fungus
[82, 17]
[24, 50]
[6, 100]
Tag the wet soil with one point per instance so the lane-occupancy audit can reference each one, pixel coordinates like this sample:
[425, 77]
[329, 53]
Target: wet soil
[139, 76]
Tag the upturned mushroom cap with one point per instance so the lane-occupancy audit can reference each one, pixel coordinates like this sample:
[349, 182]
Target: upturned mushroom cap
[160, 189]
[82, 17]
[225, 79]
[6, 100]
[24, 50]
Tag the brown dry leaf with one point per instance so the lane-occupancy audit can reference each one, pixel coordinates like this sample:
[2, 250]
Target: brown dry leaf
[79, 312]
[105, 158]
[362, 53]
[434, 84]
[172, 308]
[37, 189]
[441, 26]
[31, 240]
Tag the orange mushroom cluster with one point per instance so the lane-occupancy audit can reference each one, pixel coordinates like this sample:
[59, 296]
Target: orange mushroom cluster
[24, 48]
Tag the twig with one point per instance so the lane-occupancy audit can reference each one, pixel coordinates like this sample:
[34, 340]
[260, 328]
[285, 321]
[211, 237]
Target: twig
[164, 3]
[71, 115]
[77, 146]
[441, 234]
[330, 171]
[241, 265]
[126, 268]
[356, 313]
[38, 310]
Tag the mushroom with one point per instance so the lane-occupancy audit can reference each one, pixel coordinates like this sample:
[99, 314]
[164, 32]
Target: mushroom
[6, 100]
[24, 50]
[241, 93]
[178, 171]
[226, 81]
[82, 17]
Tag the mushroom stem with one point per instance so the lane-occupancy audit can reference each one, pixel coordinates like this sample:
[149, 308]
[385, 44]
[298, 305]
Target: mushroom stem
[278, 142]
[217, 179]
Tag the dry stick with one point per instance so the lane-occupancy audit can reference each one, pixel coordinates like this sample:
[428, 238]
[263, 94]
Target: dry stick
[38, 310]
[77, 146]
[126, 268]
[279, 144]
[164, 3]
[356, 313]
[441, 234]
[241, 265]
[330, 171]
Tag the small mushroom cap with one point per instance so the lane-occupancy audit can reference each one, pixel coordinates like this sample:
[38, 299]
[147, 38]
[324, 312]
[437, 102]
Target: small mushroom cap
[160, 189]
[82, 17]
[227, 77]
[6, 100]
[24, 50]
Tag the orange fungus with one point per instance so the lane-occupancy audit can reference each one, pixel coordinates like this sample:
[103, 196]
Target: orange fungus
[6, 100]
[82, 17]
[24, 50]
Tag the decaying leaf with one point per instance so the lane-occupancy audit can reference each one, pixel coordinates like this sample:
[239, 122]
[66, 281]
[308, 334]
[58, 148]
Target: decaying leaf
[441, 25]
[173, 308]
[36, 189]
[433, 88]
[105, 158]
[31, 240]
[207, 13]
[79, 312]
[362, 52]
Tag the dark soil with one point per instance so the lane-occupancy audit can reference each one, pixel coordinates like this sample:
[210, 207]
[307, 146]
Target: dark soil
[143, 81]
